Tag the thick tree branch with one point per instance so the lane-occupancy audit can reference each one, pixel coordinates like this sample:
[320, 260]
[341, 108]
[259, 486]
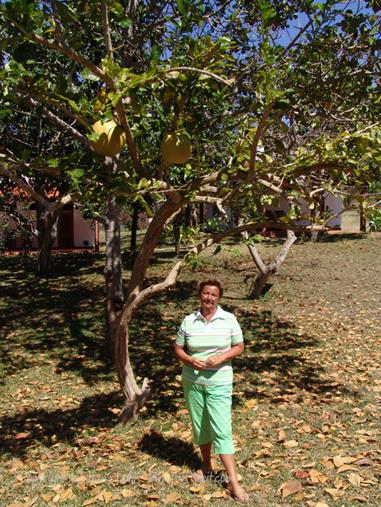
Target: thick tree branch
[49, 115]
[258, 134]
[106, 29]
[24, 185]
[69, 52]
[227, 82]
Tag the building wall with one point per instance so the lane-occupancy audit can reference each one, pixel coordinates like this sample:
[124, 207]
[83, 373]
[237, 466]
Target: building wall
[83, 231]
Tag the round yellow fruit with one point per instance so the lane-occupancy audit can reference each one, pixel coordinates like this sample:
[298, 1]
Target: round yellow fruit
[112, 138]
[176, 149]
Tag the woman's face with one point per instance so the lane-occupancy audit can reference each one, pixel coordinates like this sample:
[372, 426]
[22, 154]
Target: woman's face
[209, 297]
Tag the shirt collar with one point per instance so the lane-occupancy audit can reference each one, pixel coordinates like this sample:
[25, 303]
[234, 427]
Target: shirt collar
[220, 314]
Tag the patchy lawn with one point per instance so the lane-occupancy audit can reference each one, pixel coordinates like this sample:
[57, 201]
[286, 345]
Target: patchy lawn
[306, 400]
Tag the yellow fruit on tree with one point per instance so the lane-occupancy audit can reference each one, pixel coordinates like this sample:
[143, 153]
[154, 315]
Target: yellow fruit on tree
[111, 140]
[176, 148]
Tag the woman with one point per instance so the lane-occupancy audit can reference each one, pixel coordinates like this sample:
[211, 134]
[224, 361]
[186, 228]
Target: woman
[206, 342]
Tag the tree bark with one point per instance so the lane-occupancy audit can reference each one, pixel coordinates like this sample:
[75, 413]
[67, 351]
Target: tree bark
[315, 213]
[47, 227]
[113, 272]
[265, 271]
[134, 229]
[135, 396]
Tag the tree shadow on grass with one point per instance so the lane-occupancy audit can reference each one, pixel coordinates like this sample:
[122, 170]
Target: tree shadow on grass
[59, 319]
[278, 364]
[173, 450]
[20, 432]
[68, 324]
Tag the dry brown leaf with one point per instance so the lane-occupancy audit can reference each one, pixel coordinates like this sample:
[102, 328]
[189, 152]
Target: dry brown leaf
[126, 493]
[328, 464]
[317, 477]
[364, 462]
[321, 504]
[359, 498]
[282, 435]
[90, 501]
[153, 496]
[219, 494]
[47, 497]
[335, 493]
[172, 497]
[301, 474]
[167, 477]
[200, 489]
[355, 479]
[290, 488]
[299, 496]
[339, 461]
[291, 443]
[346, 468]
[21, 436]
[56, 498]
[67, 494]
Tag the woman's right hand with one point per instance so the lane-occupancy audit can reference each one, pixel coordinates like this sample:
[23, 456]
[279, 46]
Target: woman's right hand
[198, 364]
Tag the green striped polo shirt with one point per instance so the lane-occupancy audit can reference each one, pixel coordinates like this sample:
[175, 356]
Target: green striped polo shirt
[202, 339]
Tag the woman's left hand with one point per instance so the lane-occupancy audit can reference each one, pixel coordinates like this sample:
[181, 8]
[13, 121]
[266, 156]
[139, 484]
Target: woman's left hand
[215, 360]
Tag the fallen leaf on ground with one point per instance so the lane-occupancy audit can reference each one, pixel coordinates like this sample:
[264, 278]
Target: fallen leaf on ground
[355, 479]
[172, 497]
[21, 436]
[343, 460]
[290, 488]
[291, 443]
[364, 462]
[317, 476]
[301, 474]
[335, 493]
[126, 493]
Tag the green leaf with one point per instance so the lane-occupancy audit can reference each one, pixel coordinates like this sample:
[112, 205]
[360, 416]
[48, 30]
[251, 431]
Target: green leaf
[125, 23]
[181, 6]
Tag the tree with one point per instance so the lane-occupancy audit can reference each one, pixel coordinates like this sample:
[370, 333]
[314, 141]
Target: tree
[162, 69]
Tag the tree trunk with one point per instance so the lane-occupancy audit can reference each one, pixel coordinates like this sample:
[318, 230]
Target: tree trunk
[47, 227]
[135, 396]
[113, 272]
[315, 213]
[177, 222]
[134, 229]
[265, 271]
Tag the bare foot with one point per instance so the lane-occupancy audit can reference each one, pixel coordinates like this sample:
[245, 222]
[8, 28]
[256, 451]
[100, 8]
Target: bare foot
[237, 492]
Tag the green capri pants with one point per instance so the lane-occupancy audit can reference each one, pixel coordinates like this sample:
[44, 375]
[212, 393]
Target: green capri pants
[210, 411]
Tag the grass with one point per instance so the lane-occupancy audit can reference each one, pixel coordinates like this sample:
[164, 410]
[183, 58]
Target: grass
[306, 398]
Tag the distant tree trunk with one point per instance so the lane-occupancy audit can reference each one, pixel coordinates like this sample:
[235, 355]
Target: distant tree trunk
[265, 271]
[113, 272]
[135, 396]
[134, 228]
[47, 227]
[316, 212]
[201, 213]
[177, 222]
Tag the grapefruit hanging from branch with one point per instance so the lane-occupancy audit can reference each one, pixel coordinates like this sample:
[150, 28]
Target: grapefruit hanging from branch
[176, 148]
[111, 140]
